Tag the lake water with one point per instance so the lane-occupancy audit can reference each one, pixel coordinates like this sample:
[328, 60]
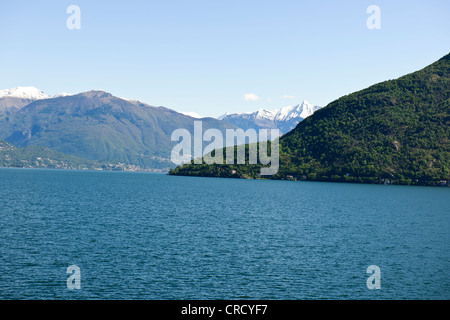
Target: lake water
[153, 236]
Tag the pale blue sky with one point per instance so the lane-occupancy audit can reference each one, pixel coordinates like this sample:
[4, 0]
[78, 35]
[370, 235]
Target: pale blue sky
[204, 56]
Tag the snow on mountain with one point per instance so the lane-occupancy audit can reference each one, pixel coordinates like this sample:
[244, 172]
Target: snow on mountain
[192, 114]
[30, 93]
[302, 110]
[284, 119]
[266, 114]
[63, 94]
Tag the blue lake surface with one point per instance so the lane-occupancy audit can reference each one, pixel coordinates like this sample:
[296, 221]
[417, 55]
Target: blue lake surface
[153, 236]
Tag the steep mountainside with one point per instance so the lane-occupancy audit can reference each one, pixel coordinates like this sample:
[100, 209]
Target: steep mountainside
[397, 131]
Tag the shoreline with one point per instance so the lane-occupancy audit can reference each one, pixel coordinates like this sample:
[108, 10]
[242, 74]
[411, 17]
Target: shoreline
[395, 183]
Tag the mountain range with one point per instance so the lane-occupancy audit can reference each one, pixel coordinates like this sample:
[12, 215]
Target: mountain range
[396, 131]
[284, 119]
[95, 125]
[98, 126]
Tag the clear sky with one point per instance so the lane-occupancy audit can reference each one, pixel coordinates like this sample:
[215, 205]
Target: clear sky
[217, 56]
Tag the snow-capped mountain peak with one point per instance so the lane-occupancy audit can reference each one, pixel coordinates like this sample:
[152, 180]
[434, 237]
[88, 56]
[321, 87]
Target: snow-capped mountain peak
[266, 114]
[285, 118]
[30, 93]
[302, 110]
